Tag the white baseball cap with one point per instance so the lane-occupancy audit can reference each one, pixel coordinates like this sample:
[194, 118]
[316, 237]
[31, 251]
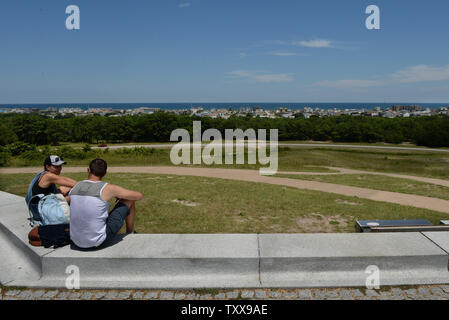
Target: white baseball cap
[54, 160]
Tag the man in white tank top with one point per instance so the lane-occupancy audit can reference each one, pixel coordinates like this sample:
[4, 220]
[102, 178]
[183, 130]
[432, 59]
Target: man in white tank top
[90, 223]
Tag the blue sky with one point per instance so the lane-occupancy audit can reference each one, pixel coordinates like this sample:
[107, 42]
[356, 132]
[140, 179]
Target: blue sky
[224, 51]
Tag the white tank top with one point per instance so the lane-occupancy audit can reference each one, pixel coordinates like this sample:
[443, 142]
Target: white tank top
[88, 214]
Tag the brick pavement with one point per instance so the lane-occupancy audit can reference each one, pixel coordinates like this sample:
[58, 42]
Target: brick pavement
[429, 292]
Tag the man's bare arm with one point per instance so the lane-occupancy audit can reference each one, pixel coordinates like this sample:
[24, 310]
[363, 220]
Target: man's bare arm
[120, 193]
[50, 178]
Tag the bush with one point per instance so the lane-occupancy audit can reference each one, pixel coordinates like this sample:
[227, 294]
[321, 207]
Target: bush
[7, 135]
[69, 152]
[46, 151]
[17, 148]
[32, 155]
[87, 148]
[136, 152]
[4, 156]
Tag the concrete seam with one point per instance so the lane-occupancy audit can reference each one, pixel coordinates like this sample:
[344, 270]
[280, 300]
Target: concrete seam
[438, 247]
[52, 250]
[434, 243]
[259, 258]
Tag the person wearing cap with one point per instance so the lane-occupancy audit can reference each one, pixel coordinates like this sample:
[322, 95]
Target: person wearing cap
[46, 183]
[43, 184]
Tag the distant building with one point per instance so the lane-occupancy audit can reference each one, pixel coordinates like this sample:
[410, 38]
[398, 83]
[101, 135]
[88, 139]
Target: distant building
[407, 108]
[388, 114]
[146, 110]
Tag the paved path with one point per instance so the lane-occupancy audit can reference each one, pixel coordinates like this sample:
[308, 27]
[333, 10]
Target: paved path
[440, 182]
[253, 176]
[433, 292]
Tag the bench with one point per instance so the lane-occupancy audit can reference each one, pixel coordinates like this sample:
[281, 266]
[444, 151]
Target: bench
[419, 225]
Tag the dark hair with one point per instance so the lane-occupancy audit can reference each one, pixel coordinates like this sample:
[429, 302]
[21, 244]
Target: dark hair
[47, 162]
[98, 167]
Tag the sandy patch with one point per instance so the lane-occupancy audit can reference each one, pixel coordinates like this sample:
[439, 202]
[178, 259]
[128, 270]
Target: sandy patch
[186, 203]
[317, 223]
[347, 202]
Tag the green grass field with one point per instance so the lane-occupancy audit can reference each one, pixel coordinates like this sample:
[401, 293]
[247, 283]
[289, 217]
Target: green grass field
[180, 204]
[379, 182]
[177, 204]
[419, 163]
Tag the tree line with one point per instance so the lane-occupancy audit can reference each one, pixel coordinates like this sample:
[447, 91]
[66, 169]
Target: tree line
[430, 131]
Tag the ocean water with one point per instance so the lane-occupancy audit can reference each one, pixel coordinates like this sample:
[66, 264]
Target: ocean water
[219, 105]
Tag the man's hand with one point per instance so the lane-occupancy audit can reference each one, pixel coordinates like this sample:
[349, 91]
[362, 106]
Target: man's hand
[64, 190]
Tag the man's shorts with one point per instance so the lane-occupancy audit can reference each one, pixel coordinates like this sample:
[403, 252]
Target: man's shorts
[116, 220]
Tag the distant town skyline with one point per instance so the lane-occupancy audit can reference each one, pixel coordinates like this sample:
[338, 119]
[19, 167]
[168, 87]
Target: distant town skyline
[404, 111]
[224, 51]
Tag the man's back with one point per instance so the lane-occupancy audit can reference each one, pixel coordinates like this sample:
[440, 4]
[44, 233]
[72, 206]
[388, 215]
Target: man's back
[88, 214]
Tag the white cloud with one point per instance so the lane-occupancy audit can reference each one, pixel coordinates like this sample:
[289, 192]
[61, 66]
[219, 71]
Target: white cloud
[343, 84]
[283, 54]
[317, 43]
[184, 5]
[414, 74]
[422, 73]
[264, 78]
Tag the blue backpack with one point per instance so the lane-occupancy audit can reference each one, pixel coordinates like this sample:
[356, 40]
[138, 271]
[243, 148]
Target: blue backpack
[46, 210]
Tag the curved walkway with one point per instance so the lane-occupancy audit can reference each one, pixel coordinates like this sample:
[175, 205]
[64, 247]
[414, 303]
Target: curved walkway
[253, 176]
[440, 182]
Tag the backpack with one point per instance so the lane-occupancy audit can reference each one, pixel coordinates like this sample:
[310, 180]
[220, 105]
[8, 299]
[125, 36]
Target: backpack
[53, 209]
[46, 210]
[52, 235]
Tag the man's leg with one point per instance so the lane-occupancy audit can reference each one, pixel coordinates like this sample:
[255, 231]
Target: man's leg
[124, 211]
[132, 213]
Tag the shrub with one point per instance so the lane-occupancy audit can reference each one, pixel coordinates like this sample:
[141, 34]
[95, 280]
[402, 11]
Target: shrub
[32, 155]
[69, 152]
[17, 148]
[4, 156]
[87, 148]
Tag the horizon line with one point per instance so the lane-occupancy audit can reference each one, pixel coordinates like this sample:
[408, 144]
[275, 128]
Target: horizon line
[221, 102]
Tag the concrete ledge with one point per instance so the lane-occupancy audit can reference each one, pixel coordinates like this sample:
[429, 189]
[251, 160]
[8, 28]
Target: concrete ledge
[15, 227]
[292, 260]
[232, 260]
[164, 260]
